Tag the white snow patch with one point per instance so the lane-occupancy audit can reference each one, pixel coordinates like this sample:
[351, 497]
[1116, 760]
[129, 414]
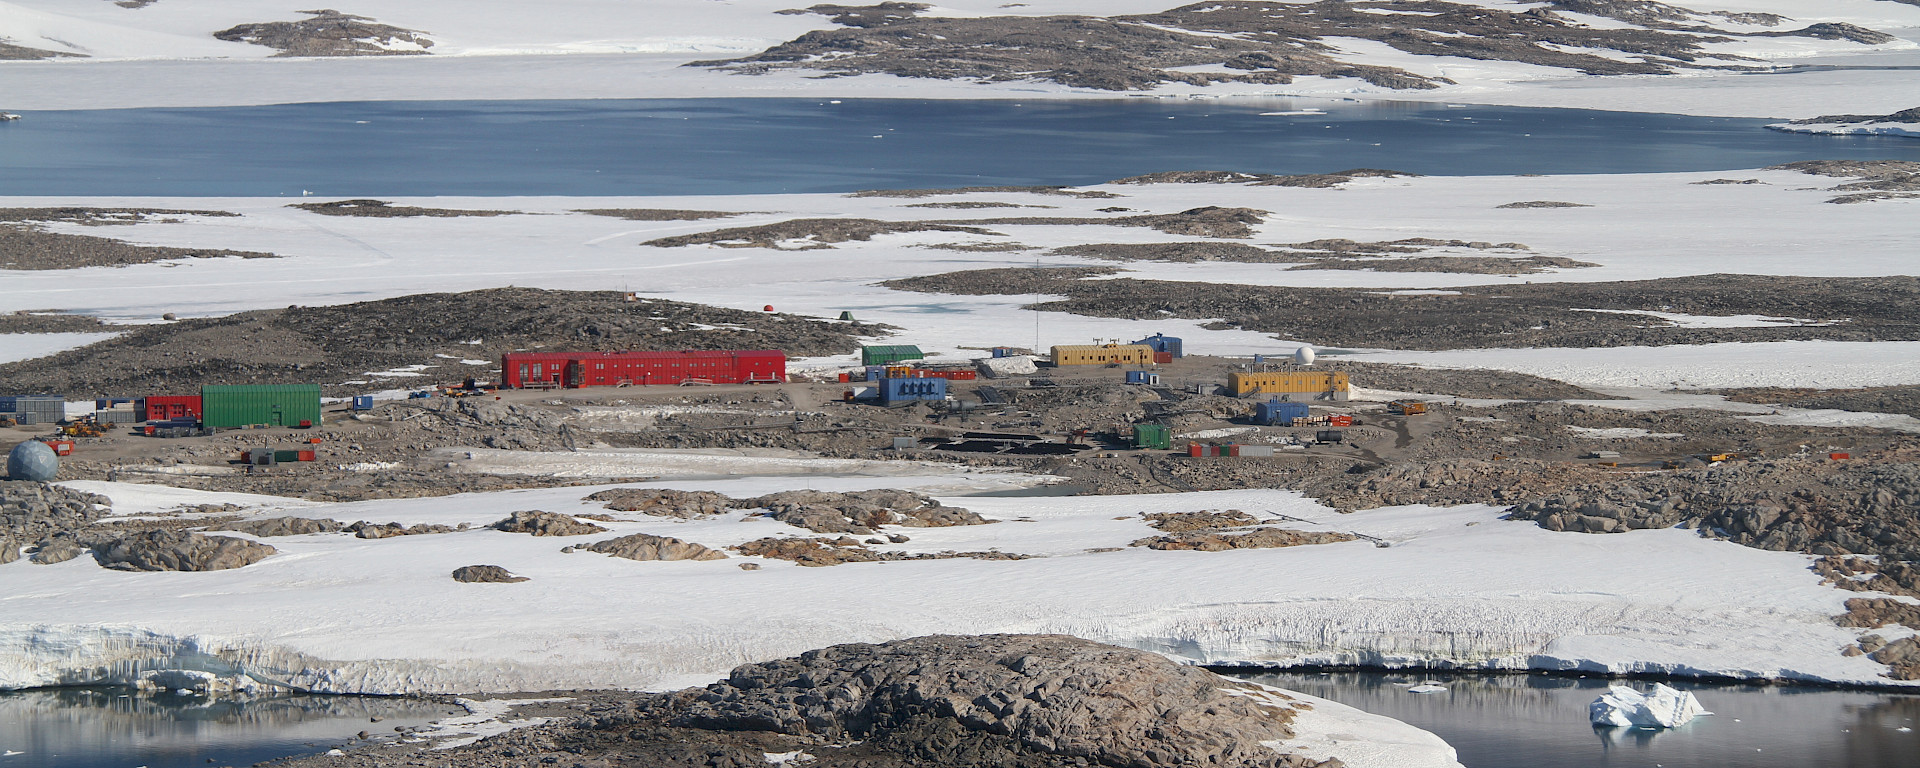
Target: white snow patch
[1616, 433]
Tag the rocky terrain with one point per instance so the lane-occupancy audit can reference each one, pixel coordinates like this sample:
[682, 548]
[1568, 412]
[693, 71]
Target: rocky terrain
[1872, 400]
[433, 332]
[1532, 315]
[1389, 256]
[1872, 179]
[328, 32]
[1024, 701]
[810, 234]
[26, 242]
[382, 209]
[1265, 43]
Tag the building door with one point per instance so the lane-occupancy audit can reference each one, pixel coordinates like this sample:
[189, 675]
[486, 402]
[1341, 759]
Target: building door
[278, 419]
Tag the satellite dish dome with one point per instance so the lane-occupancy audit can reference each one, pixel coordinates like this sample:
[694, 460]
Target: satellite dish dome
[32, 460]
[1303, 355]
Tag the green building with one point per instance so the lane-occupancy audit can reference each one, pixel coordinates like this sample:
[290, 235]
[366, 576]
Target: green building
[1152, 437]
[240, 405]
[888, 354]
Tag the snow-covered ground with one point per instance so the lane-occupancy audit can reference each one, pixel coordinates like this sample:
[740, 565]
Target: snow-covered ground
[1640, 226]
[495, 49]
[1457, 587]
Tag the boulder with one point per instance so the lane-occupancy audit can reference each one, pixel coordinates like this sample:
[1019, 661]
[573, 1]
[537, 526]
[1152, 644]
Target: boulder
[164, 550]
[57, 550]
[541, 523]
[642, 546]
[485, 574]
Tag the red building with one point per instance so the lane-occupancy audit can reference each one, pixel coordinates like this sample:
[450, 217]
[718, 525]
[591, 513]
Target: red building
[611, 369]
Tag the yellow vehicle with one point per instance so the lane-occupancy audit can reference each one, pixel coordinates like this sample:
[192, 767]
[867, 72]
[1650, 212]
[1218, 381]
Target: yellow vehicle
[1406, 407]
[84, 429]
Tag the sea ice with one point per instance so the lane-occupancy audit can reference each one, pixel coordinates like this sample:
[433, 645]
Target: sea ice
[1662, 707]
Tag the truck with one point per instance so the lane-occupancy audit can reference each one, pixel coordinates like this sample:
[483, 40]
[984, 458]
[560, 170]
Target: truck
[1406, 407]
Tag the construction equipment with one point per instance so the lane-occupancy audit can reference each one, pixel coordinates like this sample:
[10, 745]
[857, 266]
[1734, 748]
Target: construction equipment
[1406, 407]
[85, 428]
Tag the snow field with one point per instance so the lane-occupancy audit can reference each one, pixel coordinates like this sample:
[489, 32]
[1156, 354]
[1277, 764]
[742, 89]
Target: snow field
[1456, 588]
[1641, 226]
[492, 49]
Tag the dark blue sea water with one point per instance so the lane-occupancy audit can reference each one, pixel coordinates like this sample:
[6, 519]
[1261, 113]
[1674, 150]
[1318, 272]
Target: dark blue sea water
[1536, 721]
[736, 146]
[114, 728]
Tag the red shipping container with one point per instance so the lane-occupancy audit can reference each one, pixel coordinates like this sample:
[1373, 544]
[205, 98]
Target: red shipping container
[306, 456]
[1342, 420]
[1196, 450]
[1233, 450]
[165, 407]
[1839, 456]
[1163, 357]
[950, 375]
[846, 378]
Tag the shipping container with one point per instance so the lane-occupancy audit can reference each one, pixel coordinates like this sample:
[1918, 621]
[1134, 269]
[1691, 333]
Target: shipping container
[277, 405]
[1340, 420]
[36, 409]
[883, 354]
[1161, 342]
[1279, 413]
[1162, 358]
[902, 390]
[103, 403]
[613, 369]
[60, 447]
[306, 455]
[363, 402]
[950, 374]
[1104, 354]
[285, 456]
[1143, 377]
[1005, 352]
[116, 416]
[1153, 437]
[1256, 451]
[167, 407]
[1291, 385]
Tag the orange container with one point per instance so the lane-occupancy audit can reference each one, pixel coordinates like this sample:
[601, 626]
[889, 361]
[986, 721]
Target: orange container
[1839, 456]
[306, 455]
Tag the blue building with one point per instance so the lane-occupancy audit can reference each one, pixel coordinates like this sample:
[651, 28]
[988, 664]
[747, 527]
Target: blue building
[902, 390]
[1161, 342]
[1278, 413]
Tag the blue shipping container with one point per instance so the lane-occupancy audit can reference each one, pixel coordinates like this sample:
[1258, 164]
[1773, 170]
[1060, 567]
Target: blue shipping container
[1003, 352]
[1277, 412]
[900, 390]
[363, 402]
[1143, 377]
[876, 372]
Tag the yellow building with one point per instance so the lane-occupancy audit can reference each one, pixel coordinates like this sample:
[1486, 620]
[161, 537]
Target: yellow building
[1291, 385]
[1089, 354]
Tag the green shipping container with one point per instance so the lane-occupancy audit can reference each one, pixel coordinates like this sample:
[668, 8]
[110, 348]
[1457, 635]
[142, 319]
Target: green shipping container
[280, 405]
[286, 457]
[890, 353]
[1153, 437]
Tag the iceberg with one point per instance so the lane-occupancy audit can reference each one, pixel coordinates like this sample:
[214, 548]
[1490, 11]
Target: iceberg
[1662, 707]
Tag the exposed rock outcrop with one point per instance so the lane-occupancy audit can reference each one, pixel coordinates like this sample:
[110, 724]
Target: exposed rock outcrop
[167, 550]
[1259, 538]
[366, 530]
[663, 503]
[1048, 694]
[859, 511]
[541, 523]
[281, 526]
[643, 546]
[485, 574]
